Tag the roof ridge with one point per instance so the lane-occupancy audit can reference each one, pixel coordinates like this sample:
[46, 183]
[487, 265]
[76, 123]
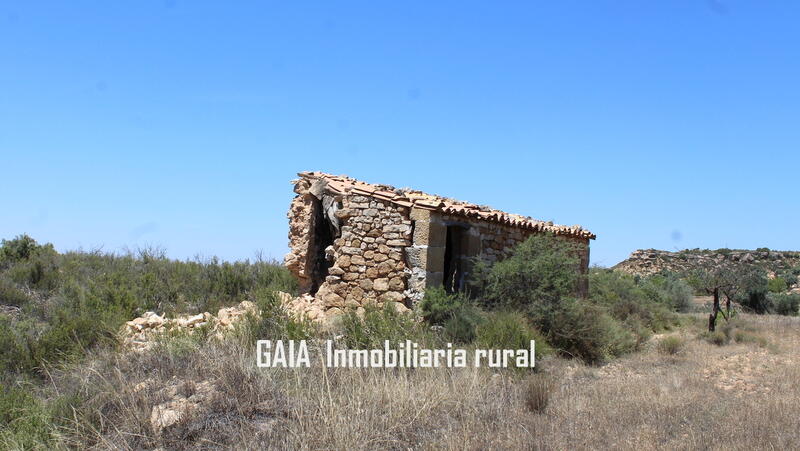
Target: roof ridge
[342, 184]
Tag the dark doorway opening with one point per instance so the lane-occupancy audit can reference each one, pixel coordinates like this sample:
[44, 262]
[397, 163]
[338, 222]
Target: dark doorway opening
[456, 258]
[322, 237]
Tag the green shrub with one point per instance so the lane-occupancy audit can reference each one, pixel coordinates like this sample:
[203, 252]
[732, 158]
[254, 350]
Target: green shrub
[790, 277]
[671, 345]
[644, 302]
[756, 300]
[10, 294]
[461, 326]
[20, 248]
[84, 297]
[455, 312]
[777, 285]
[69, 336]
[784, 303]
[678, 293]
[15, 353]
[586, 331]
[25, 422]
[541, 278]
[275, 323]
[536, 277]
[622, 337]
[509, 330]
[438, 306]
[380, 324]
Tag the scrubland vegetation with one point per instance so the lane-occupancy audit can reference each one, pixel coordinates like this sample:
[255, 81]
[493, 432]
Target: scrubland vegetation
[631, 365]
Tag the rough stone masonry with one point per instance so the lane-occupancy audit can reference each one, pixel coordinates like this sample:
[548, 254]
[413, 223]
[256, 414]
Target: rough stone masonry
[355, 243]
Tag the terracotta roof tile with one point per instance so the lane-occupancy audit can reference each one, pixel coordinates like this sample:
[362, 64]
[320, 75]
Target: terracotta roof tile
[342, 184]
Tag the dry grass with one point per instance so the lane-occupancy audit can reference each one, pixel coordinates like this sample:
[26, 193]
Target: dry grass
[671, 345]
[737, 396]
[538, 391]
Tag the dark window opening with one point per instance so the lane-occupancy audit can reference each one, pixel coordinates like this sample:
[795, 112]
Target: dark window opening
[323, 235]
[456, 258]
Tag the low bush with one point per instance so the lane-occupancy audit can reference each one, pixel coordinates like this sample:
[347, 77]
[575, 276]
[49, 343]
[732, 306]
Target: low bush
[23, 421]
[670, 290]
[10, 294]
[671, 345]
[27, 422]
[509, 330]
[455, 312]
[541, 280]
[538, 389]
[777, 285]
[628, 299]
[586, 331]
[790, 276]
[756, 300]
[717, 337]
[380, 324]
[438, 306]
[743, 336]
[784, 303]
[461, 326]
[275, 323]
[21, 248]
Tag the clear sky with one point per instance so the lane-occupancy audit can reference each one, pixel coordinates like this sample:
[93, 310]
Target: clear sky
[670, 124]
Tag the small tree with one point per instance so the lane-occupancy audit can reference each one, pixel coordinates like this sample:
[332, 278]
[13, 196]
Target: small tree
[727, 279]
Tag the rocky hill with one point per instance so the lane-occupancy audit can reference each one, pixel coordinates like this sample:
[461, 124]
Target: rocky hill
[652, 261]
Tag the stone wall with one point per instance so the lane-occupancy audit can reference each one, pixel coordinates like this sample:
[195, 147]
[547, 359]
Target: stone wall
[368, 262]
[367, 259]
[301, 223]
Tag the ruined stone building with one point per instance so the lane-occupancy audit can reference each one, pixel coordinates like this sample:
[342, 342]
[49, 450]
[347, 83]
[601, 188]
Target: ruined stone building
[354, 243]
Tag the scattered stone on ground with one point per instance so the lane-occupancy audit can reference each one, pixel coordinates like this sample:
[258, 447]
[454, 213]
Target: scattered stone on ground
[11, 310]
[184, 400]
[140, 334]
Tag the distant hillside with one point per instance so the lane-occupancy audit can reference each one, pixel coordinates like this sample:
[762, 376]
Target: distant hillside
[652, 261]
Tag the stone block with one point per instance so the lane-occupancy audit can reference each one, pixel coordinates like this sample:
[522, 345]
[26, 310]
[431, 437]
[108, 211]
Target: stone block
[437, 235]
[381, 284]
[392, 296]
[416, 256]
[431, 231]
[434, 261]
[420, 214]
[397, 284]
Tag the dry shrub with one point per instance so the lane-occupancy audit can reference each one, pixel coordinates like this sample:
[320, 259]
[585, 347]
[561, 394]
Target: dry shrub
[671, 345]
[717, 337]
[537, 392]
[743, 336]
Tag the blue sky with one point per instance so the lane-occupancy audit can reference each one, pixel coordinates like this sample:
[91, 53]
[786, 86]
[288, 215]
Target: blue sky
[672, 124]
